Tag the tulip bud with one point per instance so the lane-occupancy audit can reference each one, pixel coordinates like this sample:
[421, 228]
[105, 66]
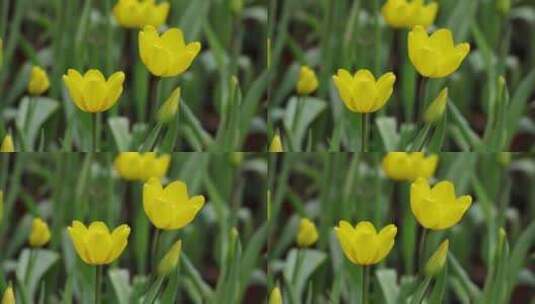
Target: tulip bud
[436, 109]
[170, 260]
[308, 82]
[504, 158]
[40, 234]
[7, 144]
[276, 144]
[170, 107]
[236, 158]
[9, 295]
[503, 6]
[275, 297]
[236, 6]
[307, 234]
[39, 82]
[437, 260]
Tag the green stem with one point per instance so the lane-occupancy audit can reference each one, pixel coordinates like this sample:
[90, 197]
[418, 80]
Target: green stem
[295, 124]
[422, 290]
[29, 266]
[365, 284]
[421, 249]
[365, 131]
[298, 262]
[98, 279]
[421, 144]
[96, 131]
[154, 249]
[422, 92]
[158, 92]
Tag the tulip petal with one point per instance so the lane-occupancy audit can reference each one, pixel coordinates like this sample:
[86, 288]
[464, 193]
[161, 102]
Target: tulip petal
[386, 241]
[120, 240]
[385, 88]
[173, 40]
[344, 233]
[444, 191]
[185, 213]
[77, 232]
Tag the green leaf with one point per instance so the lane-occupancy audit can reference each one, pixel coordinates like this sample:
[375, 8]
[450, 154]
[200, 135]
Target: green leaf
[458, 271]
[387, 127]
[519, 103]
[309, 261]
[120, 130]
[299, 114]
[439, 289]
[120, 280]
[519, 254]
[387, 279]
[43, 260]
[37, 110]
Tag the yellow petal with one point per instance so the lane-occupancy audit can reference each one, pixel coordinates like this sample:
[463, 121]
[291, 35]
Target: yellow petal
[186, 213]
[98, 244]
[176, 192]
[386, 241]
[119, 241]
[385, 87]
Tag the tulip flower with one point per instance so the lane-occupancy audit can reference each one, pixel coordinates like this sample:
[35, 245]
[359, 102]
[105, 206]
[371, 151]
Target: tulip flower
[403, 166]
[436, 262]
[435, 56]
[9, 295]
[170, 259]
[407, 14]
[92, 92]
[361, 93]
[169, 108]
[39, 82]
[171, 207]
[307, 234]
[166, 55]
[7, 145]
[437, 208]
[275, 297]
[40, 234]
[95, 244]
[140, 13]
[436, 109]
[135, 166]
[308, 82]
[276, 144]
[362, 245]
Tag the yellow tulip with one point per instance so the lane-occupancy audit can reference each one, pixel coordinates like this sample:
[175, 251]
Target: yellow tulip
[362, 93]
[436, 109]
[139, 13]
[92, 92]
[308, 82]
[275, 297]
[436, 262]
[39, 82]
[407, 14]
[170, 260]
[7, 144]
[40, 234]
[166, 55]
[276, 144]
[135, 166]
[95, 244]
[170, 207]
[9, 295]
[437, 208]
[362, 245]
[169, 108]
[435, 56]
[307, 234]
[403, 166]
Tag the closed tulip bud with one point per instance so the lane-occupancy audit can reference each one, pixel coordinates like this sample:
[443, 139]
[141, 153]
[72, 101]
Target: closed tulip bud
[275, 297]
[170, 260]
[403, 166]
[171, 207]
[503, 6]
[307, 234]
[236, 6]
[236, 158]
[40, 234]
[170, 107]
[362, 245]
[437, 208]
[139, 13]
[435, 56]
[92, 92]
[9, 295]
[95, 244]
[436, 262]
[436, 109]
[7, 144]
[504, 158]
[361, 93]
[135, 166]
[308, 82]
[166, 55]
[39, 82]
[407, 14]
[276, 144]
